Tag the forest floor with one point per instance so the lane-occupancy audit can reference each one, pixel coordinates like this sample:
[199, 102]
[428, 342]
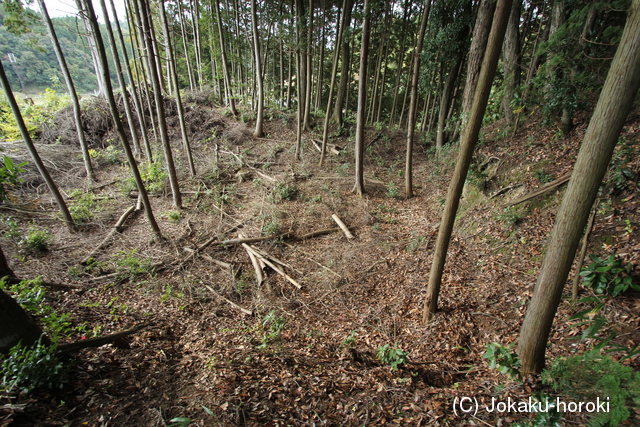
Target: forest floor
[309, 356]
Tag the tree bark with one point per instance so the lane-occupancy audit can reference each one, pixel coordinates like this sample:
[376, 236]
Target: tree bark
[102, 56]
[596, 150]
[476, 51]
[361, 116]
[176, 89]
[53, 188]
[446, 100]
[225, 65]
[345, 65]
[332, 84]
[413, 105]
[467, 145]
[157, 93]
[259, 78]
[16, 326]
[77, 113]
[511, 66]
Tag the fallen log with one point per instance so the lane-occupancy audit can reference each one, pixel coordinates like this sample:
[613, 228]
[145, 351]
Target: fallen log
[100, 341]
[547, 187]
[117, 228]
[344, 228]
[272, 265]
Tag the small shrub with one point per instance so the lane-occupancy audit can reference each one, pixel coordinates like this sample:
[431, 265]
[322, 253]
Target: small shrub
[586, 377]
[129, 264]
[392, 191]
[543, 177]
[82, 206]
[9, 176]
[392, 356]
[349, 341]
[26, 368]
[503, 359]
[608, 276]
[36, 240]
[111, 154]
[273, 327]
[284, 191]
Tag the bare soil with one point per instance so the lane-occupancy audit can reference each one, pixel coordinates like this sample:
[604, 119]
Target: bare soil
[308, 356]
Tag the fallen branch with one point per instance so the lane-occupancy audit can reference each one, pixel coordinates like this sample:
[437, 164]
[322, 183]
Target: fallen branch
[272, 265]
[583, 253]
[117, 228]
[100, 341]
[219, 263]
[244, 310]
[342, 226]
[505, 189]
[547, 187]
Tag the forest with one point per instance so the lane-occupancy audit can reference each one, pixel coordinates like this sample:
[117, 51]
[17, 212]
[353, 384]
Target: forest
[349, 213]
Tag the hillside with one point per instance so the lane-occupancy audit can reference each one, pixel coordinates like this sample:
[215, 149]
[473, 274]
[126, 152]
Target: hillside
[309, 356]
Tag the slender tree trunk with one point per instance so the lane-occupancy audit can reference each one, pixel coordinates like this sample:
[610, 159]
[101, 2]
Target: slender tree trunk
[259, 79]
[446, 99]
[320, 73]
[345, 65]
[361, 116]
[176, 89]
[301, 37]
[225, 65]
[289, 79]
[476, 51]
[600, 139]
[511, 63]
[102, 55]
[92, 50]
[134, 93]
[309, 68]
[162, 123]
[77, 113]
[467, 145]
[185, 46]
[53, 188]
[413, 105]
[403, 40]
[121, 82]
[332, 84]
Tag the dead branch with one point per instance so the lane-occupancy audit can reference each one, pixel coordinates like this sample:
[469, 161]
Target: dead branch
[272, 265]
[547, 187]
[100, 341]
[219, 263]
[505, 189]
[342, 226]
[117, 228]
[244, 310]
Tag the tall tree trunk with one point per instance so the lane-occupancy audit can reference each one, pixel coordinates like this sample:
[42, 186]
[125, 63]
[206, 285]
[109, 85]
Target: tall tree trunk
[301, 38]
[162, 122]
[361, 116]
[446, 99]
[225, 65]
[77, 113]
[345, 65]
[121, 82]
[259, 79]
[92, 50]
[413, 105]
[309, 68]
[185, 46]
[53, 188]
[613, 107]
[134, 93]
[476, 51]
[320, 73]
[102, 55]
[332, 84]
[176, 89]
[511, 61]
[467, 145]
[403, 39]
